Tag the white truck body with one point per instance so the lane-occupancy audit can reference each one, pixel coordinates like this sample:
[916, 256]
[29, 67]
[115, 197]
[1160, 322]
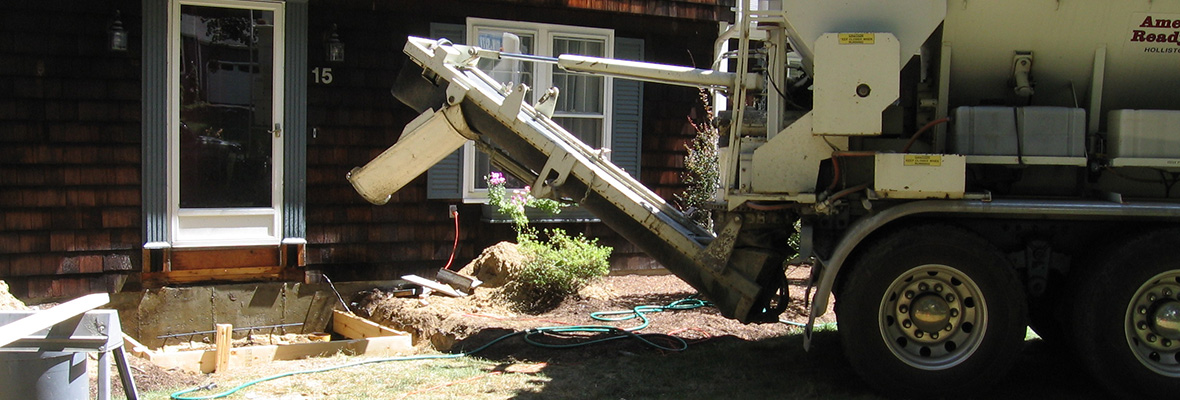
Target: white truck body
[960, 169]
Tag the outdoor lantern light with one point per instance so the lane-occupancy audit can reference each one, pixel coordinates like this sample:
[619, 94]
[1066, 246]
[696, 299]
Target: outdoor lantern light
[335, 48]
[116, 35]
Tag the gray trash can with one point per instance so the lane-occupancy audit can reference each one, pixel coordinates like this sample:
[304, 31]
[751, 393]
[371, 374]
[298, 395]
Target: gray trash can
[43, 375]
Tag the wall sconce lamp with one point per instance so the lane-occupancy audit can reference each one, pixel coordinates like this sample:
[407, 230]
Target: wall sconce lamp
[116, 35]
[335, 48]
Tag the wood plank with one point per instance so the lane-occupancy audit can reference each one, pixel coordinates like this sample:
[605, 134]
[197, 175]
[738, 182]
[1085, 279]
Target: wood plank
[193, 259]
[204, 361]
[136, 348]
[223, 346]
[44, 319]
[435, 286]
[220, 274]
[353, 327]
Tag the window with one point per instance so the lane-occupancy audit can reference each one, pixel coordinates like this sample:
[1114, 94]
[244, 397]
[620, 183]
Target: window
[616, 124]
[582, 108]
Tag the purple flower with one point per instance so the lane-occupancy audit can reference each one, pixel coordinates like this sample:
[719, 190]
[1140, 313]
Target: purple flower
[496, 178]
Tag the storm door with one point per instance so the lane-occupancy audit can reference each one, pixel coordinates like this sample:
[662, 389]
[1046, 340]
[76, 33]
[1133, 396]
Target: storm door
[225, 185]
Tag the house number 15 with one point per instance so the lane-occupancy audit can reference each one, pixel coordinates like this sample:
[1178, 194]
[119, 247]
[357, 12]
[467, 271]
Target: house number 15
[322, 75]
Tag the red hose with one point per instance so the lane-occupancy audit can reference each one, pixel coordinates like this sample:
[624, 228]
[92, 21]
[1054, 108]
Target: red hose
[455, 216]
[917, 134]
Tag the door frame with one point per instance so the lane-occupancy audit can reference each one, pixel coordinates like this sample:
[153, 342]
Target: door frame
[222, 226]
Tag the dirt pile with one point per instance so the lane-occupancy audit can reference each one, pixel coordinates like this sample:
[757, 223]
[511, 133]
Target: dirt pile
[7, 301]
[440, 321]
[495, 264]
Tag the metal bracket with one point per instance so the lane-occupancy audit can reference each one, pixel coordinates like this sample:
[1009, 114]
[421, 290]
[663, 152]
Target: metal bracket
[1021, 73]
[806, 243]
[716, 255]
[456, 92]
[1039, 258]
[548, 102]
[510, 108]
[553, 175]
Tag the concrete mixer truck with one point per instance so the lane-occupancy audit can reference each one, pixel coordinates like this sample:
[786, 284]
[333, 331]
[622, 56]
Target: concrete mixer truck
[958, 171]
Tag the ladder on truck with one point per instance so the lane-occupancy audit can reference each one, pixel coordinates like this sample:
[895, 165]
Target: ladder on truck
[458, 102]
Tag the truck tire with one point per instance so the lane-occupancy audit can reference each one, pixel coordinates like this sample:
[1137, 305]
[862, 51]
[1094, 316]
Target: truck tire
[931, 311]
[1127, 317]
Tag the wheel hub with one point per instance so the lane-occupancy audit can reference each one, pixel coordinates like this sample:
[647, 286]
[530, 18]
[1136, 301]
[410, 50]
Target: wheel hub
[1166, 320]
[930, 313]
[933, 317]
[1153, 323]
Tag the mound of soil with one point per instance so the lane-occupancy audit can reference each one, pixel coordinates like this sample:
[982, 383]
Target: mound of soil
[7, 301]
[495, 264]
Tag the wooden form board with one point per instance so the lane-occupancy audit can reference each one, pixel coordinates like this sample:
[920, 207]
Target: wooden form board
[353, 327]
[205, 361]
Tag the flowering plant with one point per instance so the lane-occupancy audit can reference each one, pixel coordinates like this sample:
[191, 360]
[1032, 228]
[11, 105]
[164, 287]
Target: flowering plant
[558, 265]
[514, 205]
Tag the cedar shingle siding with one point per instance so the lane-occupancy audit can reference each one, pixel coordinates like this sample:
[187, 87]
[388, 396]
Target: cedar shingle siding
[70, 136]
[69, 149]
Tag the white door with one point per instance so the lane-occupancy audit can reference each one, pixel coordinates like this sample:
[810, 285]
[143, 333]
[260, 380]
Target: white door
[225, 153]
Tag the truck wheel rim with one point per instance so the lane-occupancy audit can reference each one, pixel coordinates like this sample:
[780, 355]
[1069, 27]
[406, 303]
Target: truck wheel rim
[1152, 324]
[933, 317]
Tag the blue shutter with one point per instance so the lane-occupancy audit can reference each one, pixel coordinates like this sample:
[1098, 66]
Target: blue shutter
[445, 179]
[627, 115]
[295, 122]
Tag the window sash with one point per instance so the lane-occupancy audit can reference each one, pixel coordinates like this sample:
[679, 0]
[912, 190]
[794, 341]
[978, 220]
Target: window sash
[576, 111]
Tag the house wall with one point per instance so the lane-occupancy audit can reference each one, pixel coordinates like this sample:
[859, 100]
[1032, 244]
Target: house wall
[70, 136]
[355, 118]
[69, 148]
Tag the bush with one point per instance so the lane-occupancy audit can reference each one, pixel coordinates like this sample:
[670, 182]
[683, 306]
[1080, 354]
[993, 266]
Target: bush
[557, 266]
[560, 266]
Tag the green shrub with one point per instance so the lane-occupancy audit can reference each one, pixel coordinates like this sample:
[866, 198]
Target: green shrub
[562, 265]
[558, 265]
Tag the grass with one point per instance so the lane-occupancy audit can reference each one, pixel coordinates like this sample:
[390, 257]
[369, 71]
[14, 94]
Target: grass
[719, 368]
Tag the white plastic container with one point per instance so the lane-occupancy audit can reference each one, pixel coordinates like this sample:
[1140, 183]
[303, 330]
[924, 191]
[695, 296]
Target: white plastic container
[1143, 134]
[1042, 131]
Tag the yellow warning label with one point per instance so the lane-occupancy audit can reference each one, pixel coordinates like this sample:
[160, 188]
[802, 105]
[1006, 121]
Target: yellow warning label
[930, 160]
[857, 38]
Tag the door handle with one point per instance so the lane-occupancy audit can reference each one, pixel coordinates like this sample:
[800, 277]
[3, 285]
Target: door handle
[278, 131]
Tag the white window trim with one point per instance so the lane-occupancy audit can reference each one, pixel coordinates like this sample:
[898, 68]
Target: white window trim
[543, 42]
[256, 225]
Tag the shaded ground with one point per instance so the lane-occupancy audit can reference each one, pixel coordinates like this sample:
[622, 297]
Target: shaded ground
[456, 324]
[725, 359]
